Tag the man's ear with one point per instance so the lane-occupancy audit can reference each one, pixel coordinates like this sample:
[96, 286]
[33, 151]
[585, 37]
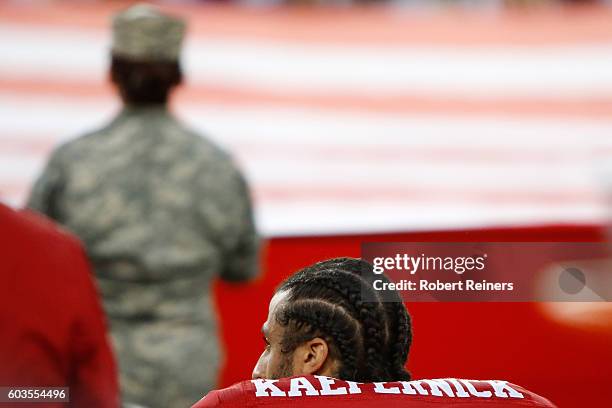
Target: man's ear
[312, 357]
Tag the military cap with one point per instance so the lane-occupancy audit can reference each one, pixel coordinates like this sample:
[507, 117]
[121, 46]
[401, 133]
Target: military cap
[143, 33]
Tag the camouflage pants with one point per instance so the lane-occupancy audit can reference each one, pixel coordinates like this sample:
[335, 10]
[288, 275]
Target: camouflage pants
[165, 364]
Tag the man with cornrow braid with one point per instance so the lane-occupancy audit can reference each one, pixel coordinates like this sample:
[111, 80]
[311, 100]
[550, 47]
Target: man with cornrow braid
[397, 317]
[336, 292]
[326, 346]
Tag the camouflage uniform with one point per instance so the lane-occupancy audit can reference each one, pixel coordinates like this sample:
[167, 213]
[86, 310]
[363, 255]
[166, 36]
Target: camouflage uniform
[161, 211]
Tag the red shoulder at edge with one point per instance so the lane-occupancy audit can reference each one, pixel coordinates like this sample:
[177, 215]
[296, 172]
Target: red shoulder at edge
[46, 225]
[28, 223]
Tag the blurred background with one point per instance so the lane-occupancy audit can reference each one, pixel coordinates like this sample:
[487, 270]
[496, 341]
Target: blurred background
[368, 121]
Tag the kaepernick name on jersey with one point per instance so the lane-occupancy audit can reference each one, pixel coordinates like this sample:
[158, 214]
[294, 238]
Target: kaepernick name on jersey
[450, 387]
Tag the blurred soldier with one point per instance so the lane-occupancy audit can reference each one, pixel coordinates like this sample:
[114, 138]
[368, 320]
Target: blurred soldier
[53, 330]
[162, 211]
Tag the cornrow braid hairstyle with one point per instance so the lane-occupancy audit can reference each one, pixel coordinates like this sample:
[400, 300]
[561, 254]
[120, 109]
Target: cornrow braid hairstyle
[327, 303]
[399, 324]
[309, 318]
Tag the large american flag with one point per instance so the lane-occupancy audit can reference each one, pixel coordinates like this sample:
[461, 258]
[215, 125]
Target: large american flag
[361, 120]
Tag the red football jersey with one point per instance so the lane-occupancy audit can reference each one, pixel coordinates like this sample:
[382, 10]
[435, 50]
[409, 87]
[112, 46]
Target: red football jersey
[325, 392]
[52, 327]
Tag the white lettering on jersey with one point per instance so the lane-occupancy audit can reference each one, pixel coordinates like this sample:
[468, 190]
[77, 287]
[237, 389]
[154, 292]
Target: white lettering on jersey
[300, 383]
[472, 390]
[437, 385]
[266, 388]
[326, 384]
[450, 387]
[379, 387]
[501, 386]
[460, 391]
[353, 387]
[412, 388]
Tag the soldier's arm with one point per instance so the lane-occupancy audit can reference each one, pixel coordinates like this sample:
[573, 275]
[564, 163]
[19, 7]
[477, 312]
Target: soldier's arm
[241, 261]
[44, 194]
